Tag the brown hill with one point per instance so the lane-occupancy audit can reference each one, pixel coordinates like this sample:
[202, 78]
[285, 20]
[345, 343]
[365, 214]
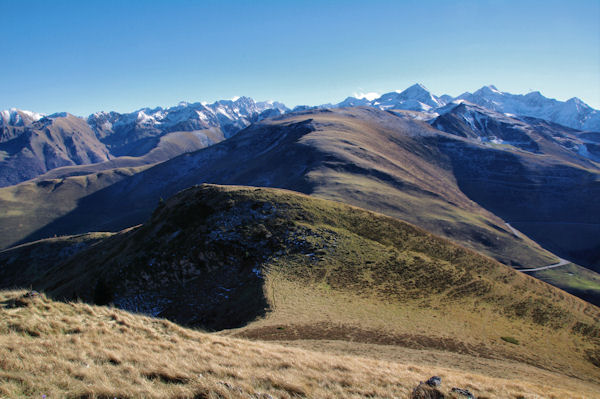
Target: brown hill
[51, 142]
[285, 266]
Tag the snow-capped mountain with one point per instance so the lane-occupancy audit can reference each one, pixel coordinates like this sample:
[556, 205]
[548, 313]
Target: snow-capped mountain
[354, 102]
[415, 98]
[12, 122]
[534, 135]
[31, 144]
[572, 113]
[153, 135]
[134, 133]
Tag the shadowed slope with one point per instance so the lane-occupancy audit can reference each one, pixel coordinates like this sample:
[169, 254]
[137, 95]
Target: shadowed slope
[364, 157]
[20, 265]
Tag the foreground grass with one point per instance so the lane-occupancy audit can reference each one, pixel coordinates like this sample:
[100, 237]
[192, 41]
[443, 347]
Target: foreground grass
[75, 350]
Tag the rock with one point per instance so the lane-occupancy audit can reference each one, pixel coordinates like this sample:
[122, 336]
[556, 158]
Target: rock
[463, 392]
[434, 381]
[424, 391]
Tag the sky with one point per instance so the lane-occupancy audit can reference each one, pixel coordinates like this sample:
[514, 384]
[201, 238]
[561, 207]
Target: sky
[86, 56]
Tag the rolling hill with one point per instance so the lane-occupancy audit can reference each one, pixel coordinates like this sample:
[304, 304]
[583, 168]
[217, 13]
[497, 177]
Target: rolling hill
[361, 156]
[277, 265]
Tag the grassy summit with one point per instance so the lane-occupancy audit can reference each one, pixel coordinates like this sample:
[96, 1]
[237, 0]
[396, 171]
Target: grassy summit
[278, 265]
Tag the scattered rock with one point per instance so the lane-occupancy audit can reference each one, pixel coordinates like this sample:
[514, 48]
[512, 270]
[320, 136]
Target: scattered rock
[463, 392]
[434, 381]
[424, 391]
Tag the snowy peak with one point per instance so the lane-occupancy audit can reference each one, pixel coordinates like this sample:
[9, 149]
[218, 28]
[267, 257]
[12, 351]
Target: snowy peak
[18, 117]
[354, 102]
[573, 113]
[534, 135]
[121, 132]
[415, 98]
[416, 91]
[487, 90]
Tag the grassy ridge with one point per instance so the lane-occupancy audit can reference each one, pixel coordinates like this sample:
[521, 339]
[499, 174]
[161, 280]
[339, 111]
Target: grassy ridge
[24, 263]
[363, 157]
[261, 259]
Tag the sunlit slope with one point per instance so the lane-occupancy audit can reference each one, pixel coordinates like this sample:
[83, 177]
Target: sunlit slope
[74, 350]
[287, 266]
[360, 156]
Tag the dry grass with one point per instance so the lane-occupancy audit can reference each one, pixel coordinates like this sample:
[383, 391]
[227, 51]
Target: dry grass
[470, 327]
[75, 350]
[331, 271]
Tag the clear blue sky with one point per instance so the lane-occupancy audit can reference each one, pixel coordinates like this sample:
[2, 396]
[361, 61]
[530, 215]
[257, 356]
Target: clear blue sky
[84, 56]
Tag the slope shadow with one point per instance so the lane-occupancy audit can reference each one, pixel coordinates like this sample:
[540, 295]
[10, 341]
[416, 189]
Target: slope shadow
[131, 201]
[529, 193]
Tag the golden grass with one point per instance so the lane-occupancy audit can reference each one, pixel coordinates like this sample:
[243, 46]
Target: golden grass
[74, 350]
[338, 272]
[466, 327]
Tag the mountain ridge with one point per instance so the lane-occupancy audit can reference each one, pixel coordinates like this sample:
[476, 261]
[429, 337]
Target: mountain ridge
[233, 256]
[138, 133]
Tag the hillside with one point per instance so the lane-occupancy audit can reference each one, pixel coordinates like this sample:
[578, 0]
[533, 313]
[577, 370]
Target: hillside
[361, 156]
[20, 265]
[37, 203]
[279, 265]
[79, 351]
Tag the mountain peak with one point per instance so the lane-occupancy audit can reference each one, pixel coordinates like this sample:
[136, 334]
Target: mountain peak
[14, 116]
[416, 88]
[489, 89]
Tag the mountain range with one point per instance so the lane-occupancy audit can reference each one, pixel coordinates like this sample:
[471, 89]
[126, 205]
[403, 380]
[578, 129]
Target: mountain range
[455, 168]
[456, 183]
[32, 144]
